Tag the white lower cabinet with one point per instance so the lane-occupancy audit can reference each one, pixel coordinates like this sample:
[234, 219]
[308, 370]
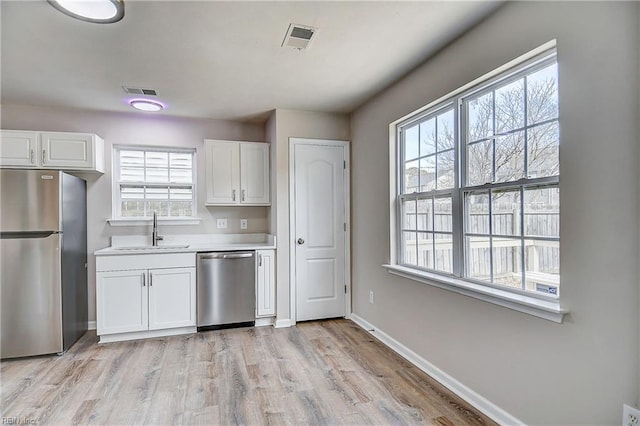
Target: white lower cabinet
[138, 303]
[265, 284]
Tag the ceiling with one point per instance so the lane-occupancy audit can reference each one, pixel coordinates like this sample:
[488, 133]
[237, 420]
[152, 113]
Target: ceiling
[222, 59]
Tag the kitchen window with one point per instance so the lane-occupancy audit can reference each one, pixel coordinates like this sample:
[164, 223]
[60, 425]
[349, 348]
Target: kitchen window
[477, 186]
[154, 179]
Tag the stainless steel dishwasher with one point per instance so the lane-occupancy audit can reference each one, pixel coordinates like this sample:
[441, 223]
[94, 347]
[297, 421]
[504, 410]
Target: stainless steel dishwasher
[226, 289]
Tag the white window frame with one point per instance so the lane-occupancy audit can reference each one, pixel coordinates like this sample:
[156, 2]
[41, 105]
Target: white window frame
[547, 307]
[118, 220]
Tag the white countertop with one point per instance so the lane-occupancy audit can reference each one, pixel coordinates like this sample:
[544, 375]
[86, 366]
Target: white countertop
[140, 244]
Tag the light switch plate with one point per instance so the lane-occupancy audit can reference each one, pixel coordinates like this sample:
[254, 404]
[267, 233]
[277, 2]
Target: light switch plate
[221, 224]
[243, 223]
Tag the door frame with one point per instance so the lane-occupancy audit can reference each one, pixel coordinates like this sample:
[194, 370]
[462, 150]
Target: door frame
[293, 142]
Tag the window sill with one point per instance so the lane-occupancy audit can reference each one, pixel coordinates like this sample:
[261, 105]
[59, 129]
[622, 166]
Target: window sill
[549, 310]
[149, 221]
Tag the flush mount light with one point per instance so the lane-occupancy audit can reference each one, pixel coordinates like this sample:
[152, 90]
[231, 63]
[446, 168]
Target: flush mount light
[96, 11]
[146, 105]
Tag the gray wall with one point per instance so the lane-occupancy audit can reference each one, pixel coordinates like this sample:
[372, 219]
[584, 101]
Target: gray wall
[282, 125]
[578, 372]
[141, 129]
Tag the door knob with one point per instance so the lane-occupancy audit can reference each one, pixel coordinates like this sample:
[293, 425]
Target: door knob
[300, 241]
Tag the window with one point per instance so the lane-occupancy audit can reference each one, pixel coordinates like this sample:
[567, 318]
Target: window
[477, 194]
[153, 179]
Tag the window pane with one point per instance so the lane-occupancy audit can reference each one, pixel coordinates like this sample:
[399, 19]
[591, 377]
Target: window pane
[510, 107]
[443, 220]
[131, 174]
[132, 208]
[480, 115]
[409, 214]
[411, 179]
[131, 193]
[181, 193]
[477, 214]
[428, 173]
[444, 253]
[480, 163]
[425, 214]
[505, 212]
[428, 137]
[507, 262]
[156, 159]
[181, 175]
[542, 212]
[445, 176]
[542, 150]
[157, 193]
[542, 260]
[411, 143]
[409, 248]
[181, 160]
[425, 250]
[510, 157]
[542, 94]
[131, 159]
[445, 130]
[478, 258]
[180, 208]
[160, 207]
[157, 175]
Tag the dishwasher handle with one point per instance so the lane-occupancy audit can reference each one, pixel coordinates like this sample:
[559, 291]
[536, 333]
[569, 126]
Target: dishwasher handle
[226, 256]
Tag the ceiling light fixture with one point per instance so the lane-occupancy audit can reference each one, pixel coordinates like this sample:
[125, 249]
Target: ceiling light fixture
[96, 11]
[146, 105]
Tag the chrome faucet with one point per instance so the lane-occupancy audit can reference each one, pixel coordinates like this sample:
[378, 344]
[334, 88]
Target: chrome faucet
[154, 234]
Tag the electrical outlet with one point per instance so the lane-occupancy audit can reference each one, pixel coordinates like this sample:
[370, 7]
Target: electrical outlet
[221, 224]
[243, 223]
[371, 296]
[630, 416]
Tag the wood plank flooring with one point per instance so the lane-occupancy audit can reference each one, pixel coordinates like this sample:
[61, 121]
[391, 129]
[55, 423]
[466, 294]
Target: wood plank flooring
[318, 373]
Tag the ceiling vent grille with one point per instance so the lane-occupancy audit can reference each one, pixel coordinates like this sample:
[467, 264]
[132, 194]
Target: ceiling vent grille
[137, 91]
[299, 36]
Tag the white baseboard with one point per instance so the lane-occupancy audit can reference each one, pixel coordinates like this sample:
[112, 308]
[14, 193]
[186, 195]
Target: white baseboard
[261, 322]
[476, 400]
[135, 335]
[282, 323]
[91, 325]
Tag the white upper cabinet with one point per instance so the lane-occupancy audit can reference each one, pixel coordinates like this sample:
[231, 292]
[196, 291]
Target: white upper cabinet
[237, 173]
[18, 148]
[52, 150]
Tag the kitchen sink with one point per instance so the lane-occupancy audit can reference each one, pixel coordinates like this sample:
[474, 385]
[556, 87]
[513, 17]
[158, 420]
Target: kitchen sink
[140, 248]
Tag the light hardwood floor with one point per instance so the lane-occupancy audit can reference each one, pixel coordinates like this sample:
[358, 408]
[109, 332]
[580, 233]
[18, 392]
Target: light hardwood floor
[321, 373]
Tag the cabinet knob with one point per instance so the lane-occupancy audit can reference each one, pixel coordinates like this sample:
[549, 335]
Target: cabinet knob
[44, 156]
[242, 195]
[32, 156]
[233, 195]
[143, 283]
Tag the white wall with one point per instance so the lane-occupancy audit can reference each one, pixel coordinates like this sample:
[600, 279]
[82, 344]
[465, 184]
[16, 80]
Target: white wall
[282, 125]
[578, 372]
[141, 129]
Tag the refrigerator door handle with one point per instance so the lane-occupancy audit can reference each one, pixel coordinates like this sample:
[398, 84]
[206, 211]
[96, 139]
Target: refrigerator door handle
[27, 234]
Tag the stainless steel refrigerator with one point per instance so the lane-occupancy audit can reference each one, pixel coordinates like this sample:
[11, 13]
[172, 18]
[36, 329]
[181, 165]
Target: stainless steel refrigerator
[43, 254]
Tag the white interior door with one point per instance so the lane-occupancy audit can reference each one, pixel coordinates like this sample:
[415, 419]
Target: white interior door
[319, 230]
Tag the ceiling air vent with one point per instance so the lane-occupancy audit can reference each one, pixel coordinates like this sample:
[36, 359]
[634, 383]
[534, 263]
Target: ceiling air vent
[299, 36]
[136, 91]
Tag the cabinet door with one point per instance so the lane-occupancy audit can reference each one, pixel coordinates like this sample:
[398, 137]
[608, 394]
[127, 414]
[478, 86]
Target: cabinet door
[222, 171]
[121, 301]
[72, 151]
[18, 148]
[265, 284]
[254, 173]
[172, 298]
